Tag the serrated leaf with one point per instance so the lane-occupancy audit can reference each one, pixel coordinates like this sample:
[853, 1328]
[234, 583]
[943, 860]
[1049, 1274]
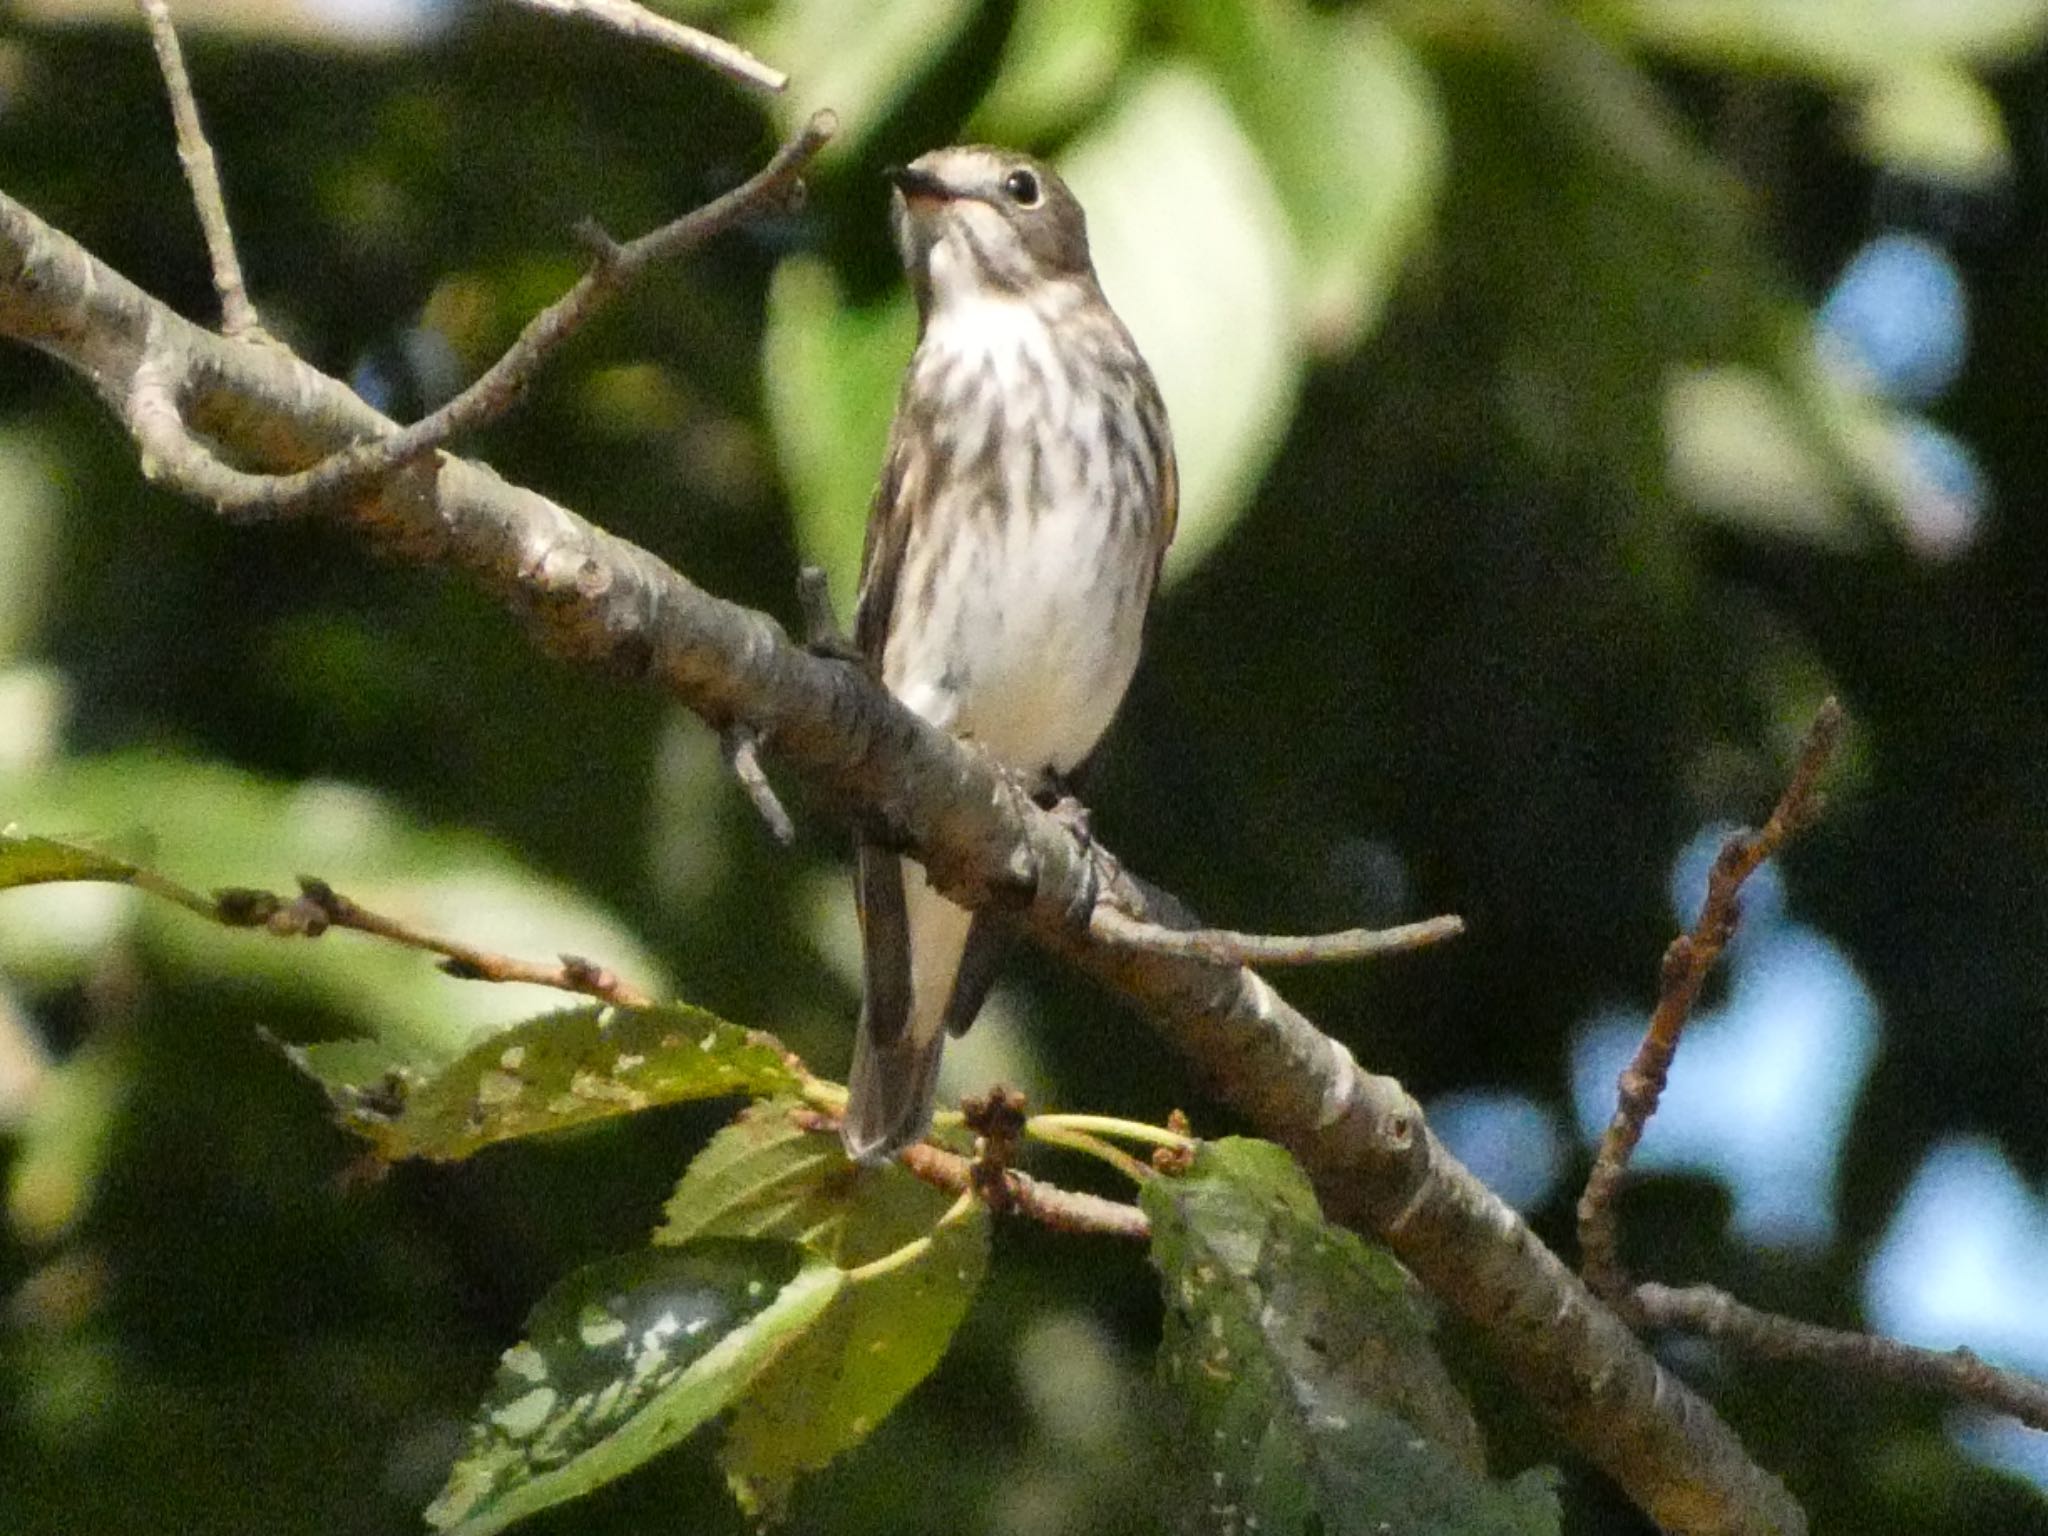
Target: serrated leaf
[831, 372]
[1346, 119]
[557, 1071]
[764, 1175]
[1315, 1401]
[1211, 314]
[882, 1335]
[1059, 60]
[622, 1360]
[768, 1174]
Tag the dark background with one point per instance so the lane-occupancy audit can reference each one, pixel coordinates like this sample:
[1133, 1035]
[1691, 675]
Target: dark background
[1475, 636]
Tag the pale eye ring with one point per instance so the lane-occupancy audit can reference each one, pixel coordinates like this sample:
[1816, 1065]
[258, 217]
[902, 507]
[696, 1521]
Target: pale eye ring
[1023, 188]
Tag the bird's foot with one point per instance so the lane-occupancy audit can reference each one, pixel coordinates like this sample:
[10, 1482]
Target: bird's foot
[823, 637]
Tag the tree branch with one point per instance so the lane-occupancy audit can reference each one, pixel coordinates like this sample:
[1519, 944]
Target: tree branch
[319, 907]
[1686, 964]
[238, 316]
[1956, 1373]
[599, 600]
[353, 467]
[643, 25]
[1223, 947]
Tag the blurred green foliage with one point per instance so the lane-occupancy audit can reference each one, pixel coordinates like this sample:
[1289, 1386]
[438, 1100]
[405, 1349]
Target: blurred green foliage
[1522, 533]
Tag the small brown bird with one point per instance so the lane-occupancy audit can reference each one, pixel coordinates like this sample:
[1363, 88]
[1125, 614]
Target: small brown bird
[1027, 499]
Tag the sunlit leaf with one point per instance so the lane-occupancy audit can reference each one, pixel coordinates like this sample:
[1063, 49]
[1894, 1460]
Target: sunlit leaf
[1837, 40]
[621, 1361]
[208, 826]
[1059, 60]
[559, 1070]
[1938, 123]
[857, 57]
[1314, 1399]
[765, 1175]
[27, 859]
[915, 1258]
[1207, 300]
[831, 371]
[881, 1336]
[1347, 120]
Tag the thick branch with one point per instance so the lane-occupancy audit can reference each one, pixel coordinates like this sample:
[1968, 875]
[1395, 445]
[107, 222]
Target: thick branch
[603, 601]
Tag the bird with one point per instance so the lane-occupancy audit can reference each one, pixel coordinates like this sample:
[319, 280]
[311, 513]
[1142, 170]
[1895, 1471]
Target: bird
[1026, 501]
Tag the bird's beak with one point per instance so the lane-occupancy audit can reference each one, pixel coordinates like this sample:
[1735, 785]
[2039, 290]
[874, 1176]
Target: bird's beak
[913, 183]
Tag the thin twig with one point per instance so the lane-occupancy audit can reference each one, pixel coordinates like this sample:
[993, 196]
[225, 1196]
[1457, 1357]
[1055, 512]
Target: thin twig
[1955, 1373]
[1063, 1210]
[1222, 947]
[612, 269]
[320, 907]
[1686, 964]
[742, 749]
[237, 314]
[644, 26]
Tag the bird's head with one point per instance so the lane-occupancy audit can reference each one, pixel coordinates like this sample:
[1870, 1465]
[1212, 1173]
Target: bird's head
[977, 222]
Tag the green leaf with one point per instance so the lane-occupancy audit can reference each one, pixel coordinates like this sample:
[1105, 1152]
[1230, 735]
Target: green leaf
[1212, 314]
[1844, 41]
[831, 372]
[765, 1175]
[915, 1258]
[1057, 64]
[1304, 1363]
[26, 859]
[1937, 123]
[213, 826]
[553, 1072]
[857, 57]
[621, 1361]
[1346, 118]
[882, 1335]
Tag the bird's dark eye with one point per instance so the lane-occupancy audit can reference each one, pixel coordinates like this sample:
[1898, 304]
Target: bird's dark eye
[1023, 188]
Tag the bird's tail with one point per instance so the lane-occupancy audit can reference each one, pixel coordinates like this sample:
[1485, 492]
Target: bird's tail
[913, 941]
[889, 1093]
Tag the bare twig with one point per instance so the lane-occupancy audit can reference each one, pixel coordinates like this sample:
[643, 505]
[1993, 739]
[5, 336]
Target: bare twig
[1686, 964]
[1222, 947]
[237, 314]
[614, 266]
[1064, 1210]
[742, 749]
[1953, 1373]
[320, 907]
[643, 25]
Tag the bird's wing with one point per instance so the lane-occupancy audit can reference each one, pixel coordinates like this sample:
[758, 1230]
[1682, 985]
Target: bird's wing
[904, 484]
[884, 921]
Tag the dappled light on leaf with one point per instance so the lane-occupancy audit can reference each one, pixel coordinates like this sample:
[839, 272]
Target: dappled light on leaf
[622, 1360]
[559, 1070]
[1301, 1357]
